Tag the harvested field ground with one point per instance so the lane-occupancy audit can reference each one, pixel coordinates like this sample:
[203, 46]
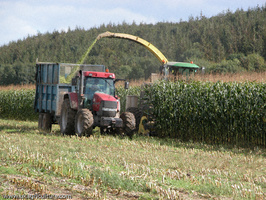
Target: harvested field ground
[259, 77]
[237, 77]
[110, 167]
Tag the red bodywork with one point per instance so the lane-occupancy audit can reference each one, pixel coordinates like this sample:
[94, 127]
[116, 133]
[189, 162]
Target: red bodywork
[99, 74]
[73, 100]
[98, 98]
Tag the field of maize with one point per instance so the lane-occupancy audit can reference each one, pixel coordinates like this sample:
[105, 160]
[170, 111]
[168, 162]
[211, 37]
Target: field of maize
[17, 104]
[214, 113]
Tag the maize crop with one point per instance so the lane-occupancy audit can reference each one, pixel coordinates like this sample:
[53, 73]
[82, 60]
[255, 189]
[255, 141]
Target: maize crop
[216, 113]
[17, 104]
[122, 94]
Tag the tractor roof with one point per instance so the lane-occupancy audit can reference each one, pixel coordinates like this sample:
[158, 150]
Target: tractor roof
[99, 74]
[183, 65]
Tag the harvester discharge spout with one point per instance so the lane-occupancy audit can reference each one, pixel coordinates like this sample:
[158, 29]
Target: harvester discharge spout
[158, 54]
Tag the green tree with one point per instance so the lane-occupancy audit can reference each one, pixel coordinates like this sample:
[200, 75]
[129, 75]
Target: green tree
[255, 62]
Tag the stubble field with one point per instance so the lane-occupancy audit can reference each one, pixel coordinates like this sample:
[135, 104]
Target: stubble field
[110, 167]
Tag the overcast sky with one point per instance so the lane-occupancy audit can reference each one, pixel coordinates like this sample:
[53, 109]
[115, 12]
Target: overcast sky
[20, 18]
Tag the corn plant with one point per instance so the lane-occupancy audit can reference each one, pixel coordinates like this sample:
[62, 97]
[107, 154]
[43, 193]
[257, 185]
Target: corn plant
[17, 104]
[122, 94]
[218, 112]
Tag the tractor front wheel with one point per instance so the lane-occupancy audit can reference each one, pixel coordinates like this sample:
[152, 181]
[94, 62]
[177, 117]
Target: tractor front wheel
[129, 123]
[84, 122]
[137, 114]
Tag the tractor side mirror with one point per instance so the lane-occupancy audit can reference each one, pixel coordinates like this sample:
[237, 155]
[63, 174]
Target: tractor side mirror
[126, 85]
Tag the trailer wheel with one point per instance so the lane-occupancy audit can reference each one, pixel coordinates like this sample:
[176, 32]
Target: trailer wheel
[67, 119]
[84, 122]
[45, 122]
[129, 123]
[40, 121]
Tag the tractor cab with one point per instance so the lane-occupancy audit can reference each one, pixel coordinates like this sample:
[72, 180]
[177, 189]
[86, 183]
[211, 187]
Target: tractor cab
[97, 82]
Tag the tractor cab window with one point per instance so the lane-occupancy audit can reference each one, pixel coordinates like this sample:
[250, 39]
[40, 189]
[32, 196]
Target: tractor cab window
[100, 85]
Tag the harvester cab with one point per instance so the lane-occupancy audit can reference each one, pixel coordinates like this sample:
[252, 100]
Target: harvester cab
[178, 69]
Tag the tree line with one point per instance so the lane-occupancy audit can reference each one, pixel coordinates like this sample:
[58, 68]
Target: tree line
[227, 42]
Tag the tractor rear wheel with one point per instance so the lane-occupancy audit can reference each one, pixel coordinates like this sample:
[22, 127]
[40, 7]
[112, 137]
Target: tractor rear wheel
[129, 123]
[67, 119]
[84, 122]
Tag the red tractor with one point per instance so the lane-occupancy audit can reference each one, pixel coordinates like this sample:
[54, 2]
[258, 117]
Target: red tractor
[88, 102]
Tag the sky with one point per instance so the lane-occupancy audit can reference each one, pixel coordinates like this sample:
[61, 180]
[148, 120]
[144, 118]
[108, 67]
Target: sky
[22, 18]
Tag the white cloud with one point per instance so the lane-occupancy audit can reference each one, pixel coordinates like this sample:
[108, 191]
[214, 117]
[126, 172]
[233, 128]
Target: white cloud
[18, 18]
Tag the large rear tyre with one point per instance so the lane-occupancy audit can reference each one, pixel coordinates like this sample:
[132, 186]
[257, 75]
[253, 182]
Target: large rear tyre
[129, 123]
[84, 122]
[45, 122]
[67, 119]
